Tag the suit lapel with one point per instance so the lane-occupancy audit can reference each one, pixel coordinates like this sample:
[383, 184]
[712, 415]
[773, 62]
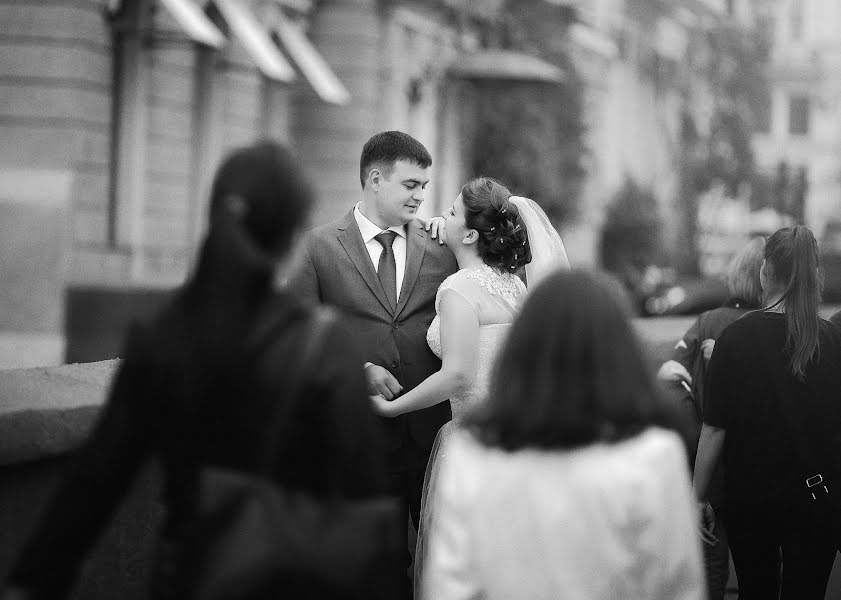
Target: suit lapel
[351, 240]
[415, 249]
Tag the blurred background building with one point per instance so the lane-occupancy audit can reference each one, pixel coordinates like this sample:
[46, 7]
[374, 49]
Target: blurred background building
[799, 146]
[801, 141]
[131, 105]
[658, 134]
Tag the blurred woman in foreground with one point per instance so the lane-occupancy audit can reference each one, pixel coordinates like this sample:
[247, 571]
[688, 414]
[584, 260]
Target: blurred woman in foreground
[569, 483]
[213, 380]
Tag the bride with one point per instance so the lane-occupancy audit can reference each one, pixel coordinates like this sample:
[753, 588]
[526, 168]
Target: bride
[492, 235]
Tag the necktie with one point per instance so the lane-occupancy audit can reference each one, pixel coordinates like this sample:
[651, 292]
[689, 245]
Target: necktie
[387, 268]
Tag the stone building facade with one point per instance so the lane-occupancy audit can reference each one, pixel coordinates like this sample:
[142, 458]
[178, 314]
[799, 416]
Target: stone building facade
[133, 103]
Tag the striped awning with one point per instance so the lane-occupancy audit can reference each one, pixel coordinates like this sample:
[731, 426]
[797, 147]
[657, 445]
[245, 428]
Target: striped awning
[311, 64]
[506, 65]
[255, 39]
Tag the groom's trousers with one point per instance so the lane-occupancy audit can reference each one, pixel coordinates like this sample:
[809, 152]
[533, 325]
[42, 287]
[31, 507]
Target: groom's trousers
[406, 468]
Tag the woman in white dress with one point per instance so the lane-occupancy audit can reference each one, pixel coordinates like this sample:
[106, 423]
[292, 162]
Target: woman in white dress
[492, 235]
[569, 482]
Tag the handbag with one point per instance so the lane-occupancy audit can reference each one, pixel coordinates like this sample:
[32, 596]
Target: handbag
[251, 538]
[818, 488]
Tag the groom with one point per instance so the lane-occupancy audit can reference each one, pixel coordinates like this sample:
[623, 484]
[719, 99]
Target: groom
[380, 266]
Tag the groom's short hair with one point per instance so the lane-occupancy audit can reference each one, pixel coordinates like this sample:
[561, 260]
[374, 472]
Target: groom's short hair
[387, 147]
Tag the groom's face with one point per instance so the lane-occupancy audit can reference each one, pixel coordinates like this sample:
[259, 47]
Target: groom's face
[399, 195]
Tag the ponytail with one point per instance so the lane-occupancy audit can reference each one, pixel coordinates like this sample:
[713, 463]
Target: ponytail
[793, 254]
[233, 276]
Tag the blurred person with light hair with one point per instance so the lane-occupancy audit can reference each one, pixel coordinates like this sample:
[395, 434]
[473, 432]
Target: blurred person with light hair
[745, 293]
[686, 372]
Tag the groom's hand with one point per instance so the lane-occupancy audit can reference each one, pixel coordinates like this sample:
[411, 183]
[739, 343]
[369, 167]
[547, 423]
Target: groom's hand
[381, 381]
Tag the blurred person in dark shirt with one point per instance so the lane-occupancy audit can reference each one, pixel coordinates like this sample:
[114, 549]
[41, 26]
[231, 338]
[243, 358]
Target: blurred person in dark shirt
[771, 368]
[689, 364]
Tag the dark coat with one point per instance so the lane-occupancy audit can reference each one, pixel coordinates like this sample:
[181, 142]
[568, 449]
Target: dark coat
[186, 413]
[337, 270]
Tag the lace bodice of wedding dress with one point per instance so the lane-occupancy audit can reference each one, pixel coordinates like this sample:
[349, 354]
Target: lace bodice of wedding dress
[495, 297]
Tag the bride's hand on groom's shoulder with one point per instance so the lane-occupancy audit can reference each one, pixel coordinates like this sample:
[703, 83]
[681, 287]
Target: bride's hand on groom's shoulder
[382, 407]
[436, 226]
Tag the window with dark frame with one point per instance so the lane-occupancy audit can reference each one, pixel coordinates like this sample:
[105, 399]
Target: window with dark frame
[762, 112]
[795, 23]
[129, 122]
[799, 114]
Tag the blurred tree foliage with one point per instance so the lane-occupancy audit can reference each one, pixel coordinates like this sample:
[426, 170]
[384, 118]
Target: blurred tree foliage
[530, 136]
[732, 63]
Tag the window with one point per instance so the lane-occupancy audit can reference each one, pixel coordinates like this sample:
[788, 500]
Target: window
[799, 113]
[134, 30]
[762, 111]
[795, 20]
[130, 119]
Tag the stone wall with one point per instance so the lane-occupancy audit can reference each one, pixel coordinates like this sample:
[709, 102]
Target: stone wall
[55, 102]
[44, 414]
[329, 138]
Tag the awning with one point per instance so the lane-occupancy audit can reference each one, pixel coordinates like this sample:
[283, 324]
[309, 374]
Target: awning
[507, 65]
[255, 40]
[593, 40]
[312, 65]
[195, 22]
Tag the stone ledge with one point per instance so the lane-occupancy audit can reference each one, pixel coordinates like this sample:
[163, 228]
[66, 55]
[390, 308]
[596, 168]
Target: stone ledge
[47, 411]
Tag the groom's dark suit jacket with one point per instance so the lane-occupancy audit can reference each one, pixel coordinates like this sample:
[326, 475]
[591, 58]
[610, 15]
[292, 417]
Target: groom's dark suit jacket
[337, 270]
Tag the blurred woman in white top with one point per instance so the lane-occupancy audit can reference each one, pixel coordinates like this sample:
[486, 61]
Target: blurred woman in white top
[570, 482]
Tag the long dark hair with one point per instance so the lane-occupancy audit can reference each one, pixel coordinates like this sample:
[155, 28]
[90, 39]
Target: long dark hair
[572, 371]
[258, 200]
[503, 240]
[791, 257]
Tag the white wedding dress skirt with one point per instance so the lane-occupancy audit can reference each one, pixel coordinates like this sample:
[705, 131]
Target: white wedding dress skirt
[496, 297]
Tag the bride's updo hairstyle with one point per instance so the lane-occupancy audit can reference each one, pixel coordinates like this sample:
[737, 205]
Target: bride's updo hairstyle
[503, 240]
[572, 371]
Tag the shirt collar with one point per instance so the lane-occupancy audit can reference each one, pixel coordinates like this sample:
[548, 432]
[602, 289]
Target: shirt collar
[369, 230]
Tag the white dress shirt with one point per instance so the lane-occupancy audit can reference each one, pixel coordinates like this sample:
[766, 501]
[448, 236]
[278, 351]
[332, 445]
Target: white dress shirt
[370, 231]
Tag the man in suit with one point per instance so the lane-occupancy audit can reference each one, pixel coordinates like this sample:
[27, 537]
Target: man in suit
[380, 266]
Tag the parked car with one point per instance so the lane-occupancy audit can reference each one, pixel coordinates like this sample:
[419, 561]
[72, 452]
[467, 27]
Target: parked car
[686, 296]
[659, 291]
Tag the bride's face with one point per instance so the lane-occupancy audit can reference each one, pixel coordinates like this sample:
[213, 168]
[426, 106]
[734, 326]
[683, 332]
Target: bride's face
[456, 229]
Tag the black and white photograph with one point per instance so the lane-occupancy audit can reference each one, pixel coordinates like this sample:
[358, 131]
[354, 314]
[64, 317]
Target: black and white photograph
[420, 299]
